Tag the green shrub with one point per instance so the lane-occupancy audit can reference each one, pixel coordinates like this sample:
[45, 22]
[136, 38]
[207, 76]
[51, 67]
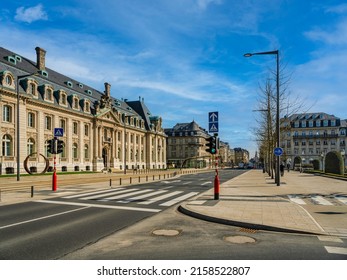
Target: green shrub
[315, 164]
[334, 163]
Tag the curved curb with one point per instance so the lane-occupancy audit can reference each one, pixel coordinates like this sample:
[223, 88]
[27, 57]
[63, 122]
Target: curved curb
[200, 216]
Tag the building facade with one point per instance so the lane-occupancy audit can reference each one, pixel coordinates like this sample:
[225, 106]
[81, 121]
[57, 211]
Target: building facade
[186, 145]
[100, 132]
[310, 136]
[241, 156]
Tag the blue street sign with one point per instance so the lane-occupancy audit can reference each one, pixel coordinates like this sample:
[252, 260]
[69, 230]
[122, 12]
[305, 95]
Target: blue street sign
[278, 151]
[213, 122]
[58, 132]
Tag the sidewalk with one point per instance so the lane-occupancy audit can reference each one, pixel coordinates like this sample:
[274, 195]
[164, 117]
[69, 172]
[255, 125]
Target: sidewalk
[254, 201]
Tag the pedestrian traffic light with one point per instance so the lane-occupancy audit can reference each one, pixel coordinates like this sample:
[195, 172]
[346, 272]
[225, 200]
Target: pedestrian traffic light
[60, 146]
[212, 145]
[51, 146]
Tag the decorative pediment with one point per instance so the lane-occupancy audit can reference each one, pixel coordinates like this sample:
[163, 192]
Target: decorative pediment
[108, 115]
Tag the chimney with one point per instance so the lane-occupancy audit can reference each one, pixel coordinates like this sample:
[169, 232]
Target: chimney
[40, 58]
[107, 89]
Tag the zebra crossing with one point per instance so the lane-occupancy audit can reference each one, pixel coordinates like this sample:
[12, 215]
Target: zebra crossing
[159, 197]
[331, 200]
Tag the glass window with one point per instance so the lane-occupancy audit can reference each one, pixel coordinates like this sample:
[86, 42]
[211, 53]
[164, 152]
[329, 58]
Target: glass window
[31, 119]
[48, 122]
[86, 151]
[75, 128]
[30, 146]
[325, 123]
[7, 146]
[7, 113]
[49, 94]
[75, 150]
[62, 124]
[317, 123]
[86, 130]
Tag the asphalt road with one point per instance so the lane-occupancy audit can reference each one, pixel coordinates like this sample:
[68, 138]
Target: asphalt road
[171, 235]
[53, 228]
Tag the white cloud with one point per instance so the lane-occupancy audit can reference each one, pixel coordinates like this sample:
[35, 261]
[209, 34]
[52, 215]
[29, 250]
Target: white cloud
[31, 14]
[202, 4]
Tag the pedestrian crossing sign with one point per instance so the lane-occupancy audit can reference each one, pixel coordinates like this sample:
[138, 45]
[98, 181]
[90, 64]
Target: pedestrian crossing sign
[58, 132]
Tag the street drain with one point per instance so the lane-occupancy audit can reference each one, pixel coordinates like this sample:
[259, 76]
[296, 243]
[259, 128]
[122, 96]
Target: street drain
[239, 239]
[166, 232]
[248, 230]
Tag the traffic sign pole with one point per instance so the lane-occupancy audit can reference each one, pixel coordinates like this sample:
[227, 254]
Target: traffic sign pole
[54, 178]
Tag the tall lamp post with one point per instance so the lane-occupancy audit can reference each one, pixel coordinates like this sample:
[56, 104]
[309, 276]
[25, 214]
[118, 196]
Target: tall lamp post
[18, 121]
[276, 52]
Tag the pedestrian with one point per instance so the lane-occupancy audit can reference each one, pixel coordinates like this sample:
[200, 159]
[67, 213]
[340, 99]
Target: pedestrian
[288, 166]
[282, 168]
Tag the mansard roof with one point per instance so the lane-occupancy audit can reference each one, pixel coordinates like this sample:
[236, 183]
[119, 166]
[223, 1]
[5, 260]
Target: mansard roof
[18, 65]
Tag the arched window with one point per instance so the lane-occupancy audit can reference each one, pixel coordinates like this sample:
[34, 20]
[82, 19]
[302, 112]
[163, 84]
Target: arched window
[7, 145]
[30, 146]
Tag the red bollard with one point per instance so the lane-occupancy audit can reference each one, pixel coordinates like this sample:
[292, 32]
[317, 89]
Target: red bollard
[54, 181]
[216, 187]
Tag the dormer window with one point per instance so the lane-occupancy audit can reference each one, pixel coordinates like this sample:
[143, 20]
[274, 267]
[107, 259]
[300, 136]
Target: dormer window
[49, 94]
[62, 98]
[43, 73]
[31, 87]
[89, 92]
[86, 106]
[69, 84]
[75, 103]
[7, 79]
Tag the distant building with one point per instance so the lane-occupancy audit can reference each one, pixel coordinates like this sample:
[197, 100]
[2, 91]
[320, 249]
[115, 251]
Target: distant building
[186, 146]
[100, 131]
[310, 136]
[241, 156]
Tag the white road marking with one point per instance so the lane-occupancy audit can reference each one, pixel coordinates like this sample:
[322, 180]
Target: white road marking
[336, 250]
[342, 199]
[320, 200]
[141, 196]
[107, 194]
[209, 182]
[159, 198]
[296, 199]
[330, 238]
[178, 199]
[44, 217]
[100, 206]
[186, 183]
[90, 193]
[128, 194]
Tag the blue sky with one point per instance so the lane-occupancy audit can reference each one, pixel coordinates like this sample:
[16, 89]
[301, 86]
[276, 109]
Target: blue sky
[185, 57]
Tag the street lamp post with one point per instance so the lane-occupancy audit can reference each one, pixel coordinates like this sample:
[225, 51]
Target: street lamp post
[276, 52]
[18, 121]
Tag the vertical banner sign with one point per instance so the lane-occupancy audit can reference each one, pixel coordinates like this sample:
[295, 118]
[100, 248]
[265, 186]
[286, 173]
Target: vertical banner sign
[213, 122]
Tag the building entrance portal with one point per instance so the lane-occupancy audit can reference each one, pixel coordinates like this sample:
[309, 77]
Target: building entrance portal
[105, 157]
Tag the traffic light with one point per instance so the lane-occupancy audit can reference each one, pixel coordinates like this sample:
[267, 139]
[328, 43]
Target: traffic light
[212, 145]
[51, 146]
[60, 146]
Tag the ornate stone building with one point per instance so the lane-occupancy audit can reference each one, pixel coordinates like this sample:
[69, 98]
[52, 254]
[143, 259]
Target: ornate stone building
[310, 136]
[186, 146]
[100, 131]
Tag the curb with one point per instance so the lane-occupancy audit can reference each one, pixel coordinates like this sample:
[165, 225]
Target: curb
[184, 210]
